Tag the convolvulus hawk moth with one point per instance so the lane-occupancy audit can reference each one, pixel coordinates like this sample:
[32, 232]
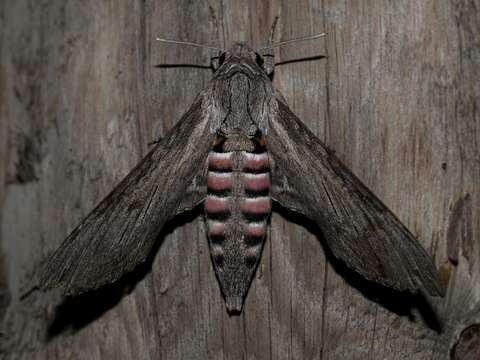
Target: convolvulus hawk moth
[238, 148]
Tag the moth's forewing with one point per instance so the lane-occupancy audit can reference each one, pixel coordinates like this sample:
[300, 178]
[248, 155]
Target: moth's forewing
[120, 232]
[359, 229]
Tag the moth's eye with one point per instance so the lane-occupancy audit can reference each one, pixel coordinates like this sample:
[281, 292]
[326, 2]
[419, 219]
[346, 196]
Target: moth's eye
[259, 60]
[221, 59]
[217, 61]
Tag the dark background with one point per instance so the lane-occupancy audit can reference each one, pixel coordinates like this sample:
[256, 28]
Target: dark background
[393, 89]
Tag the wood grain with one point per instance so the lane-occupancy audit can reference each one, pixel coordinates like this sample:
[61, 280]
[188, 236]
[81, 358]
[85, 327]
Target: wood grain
[83, 89]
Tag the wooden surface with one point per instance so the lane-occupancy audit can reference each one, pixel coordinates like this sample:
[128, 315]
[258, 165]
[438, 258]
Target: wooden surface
[83, 89]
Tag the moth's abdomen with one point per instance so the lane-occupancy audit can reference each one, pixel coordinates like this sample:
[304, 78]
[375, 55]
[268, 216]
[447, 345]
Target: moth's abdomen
[237, 209]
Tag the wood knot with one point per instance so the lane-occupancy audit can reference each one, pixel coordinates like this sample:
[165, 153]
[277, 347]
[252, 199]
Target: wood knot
[468, 345]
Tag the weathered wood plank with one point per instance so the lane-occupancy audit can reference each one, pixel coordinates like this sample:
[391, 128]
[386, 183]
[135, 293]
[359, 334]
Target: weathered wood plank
[84, 88]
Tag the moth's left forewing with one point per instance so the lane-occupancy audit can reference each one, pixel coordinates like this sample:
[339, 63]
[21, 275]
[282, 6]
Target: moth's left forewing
[359, 229]
[120, 232]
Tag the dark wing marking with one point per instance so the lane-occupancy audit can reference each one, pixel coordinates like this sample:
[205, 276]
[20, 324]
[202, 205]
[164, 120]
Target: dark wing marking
[195, 192]
[120, 232]
[358, 227]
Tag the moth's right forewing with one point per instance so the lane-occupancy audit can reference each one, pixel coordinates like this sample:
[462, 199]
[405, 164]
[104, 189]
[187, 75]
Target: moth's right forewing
[359, 229]
[120, 232]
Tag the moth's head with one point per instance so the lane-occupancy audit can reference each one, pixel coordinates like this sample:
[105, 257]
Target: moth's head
[241, 57]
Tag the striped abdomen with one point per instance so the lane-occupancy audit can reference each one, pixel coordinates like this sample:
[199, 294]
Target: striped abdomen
[237, 209]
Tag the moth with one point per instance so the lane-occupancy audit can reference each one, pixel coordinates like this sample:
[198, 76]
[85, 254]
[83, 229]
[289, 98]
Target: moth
[236, 150]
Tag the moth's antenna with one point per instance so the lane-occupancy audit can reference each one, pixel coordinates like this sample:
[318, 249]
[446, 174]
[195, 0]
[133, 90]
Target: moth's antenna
[215, 60]
[269, 62]
[272, 32]
[189, 44]
[281, 43]
[215, 26]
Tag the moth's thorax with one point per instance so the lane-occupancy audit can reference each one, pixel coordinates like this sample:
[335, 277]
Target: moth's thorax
[242, 93]
[243, 103]
[237, 209]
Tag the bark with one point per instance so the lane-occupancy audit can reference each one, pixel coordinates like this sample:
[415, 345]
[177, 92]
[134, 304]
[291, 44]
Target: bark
[393, 89]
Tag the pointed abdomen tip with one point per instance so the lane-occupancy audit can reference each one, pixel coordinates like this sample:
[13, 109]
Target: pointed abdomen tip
[234, 304]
